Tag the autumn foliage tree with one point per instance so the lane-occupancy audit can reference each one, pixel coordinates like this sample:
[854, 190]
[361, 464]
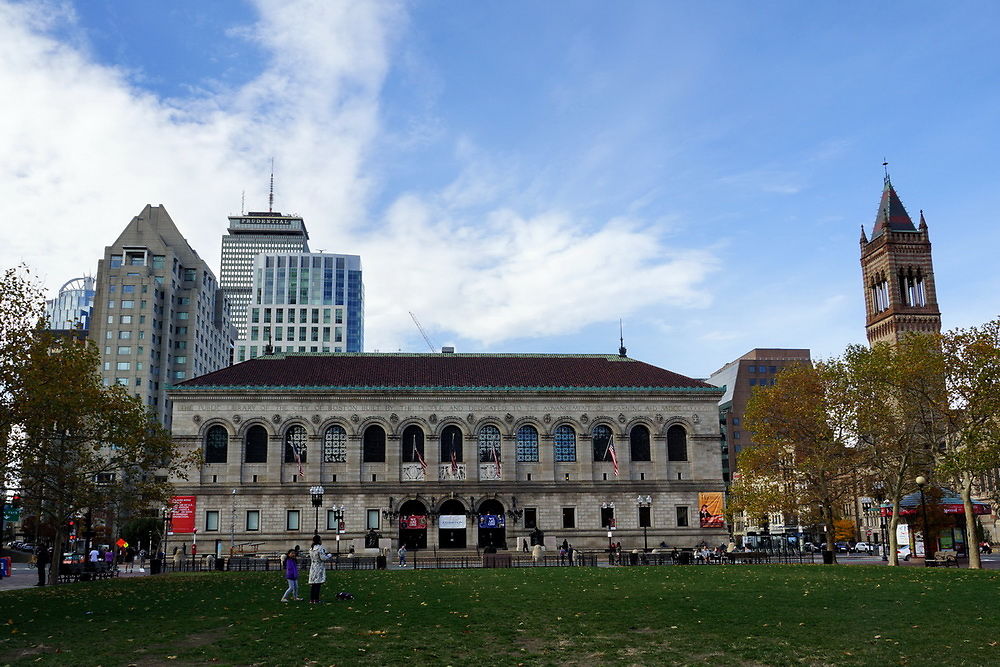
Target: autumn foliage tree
[804, 459]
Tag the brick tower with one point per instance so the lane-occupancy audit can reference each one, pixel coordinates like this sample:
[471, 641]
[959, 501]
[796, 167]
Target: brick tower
[898, 274]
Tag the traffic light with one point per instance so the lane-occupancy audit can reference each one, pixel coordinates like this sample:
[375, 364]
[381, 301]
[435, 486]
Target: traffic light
[15, 500]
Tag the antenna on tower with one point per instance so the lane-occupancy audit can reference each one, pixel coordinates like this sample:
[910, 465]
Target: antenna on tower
[270, 198]
[621, 339]
[243, 203]
[885, 168]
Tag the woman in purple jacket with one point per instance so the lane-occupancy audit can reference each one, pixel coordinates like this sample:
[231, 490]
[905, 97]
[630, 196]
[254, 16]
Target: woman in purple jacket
[292, 574]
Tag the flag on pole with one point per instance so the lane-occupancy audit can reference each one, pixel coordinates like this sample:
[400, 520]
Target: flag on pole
[419, 457]
[496, 460]
[611, 452]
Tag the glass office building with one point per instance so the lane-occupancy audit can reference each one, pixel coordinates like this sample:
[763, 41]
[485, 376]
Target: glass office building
[304, 302]
[71, 309]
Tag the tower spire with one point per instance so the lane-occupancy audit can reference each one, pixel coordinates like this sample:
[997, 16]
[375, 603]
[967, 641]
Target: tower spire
[621, 339]
[270, 197]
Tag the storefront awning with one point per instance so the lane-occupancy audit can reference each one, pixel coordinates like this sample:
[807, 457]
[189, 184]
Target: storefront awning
[949, 503]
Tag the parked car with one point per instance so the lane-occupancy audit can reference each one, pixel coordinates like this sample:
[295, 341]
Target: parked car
[903, 551]
[842, 547]
[864, 548]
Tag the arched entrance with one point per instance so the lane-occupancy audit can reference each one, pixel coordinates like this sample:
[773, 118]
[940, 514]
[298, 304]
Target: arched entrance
[452, 525]
[413, 525]
[492, 525]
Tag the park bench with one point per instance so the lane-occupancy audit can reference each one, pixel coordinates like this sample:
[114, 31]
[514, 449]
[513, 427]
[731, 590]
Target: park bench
[943, 558]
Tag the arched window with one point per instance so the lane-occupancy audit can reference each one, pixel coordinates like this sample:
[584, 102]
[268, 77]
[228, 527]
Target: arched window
[216, 444]
[295, 444]
[565, 444]
[412, 443]
[373, 445]
[677, 446]
[451, 443]
[638, 439]
[489, 444]
[602, 439]
[527, 444]
[335, 445]
[256, 444]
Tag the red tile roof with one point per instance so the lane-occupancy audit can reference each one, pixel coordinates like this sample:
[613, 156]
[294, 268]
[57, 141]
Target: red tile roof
[445, 371]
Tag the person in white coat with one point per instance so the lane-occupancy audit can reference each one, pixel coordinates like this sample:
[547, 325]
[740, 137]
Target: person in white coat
[317, 568]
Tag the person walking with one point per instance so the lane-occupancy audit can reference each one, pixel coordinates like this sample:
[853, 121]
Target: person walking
[292, 575]
[43, 560]
[402, 555]
[317, 570]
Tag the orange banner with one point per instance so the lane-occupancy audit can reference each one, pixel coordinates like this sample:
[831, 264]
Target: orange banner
[712, 504]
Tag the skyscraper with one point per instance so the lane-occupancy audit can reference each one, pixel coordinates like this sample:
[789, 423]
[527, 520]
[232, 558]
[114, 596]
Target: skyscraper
[898, 274]
[304, 302]
[250, 235]
[159, 315]
[72, 307]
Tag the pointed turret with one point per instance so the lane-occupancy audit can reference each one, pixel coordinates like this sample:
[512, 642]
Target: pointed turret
[923, 223]
[891, 214]
[864, 237]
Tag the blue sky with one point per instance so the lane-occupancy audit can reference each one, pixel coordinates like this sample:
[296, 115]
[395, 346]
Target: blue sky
[522, 175]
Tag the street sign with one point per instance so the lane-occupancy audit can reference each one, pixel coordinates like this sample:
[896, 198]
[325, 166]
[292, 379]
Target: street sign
[11, 513]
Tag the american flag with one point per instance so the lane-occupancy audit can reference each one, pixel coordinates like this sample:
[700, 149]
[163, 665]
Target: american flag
[611, 452]
[419, 457]
[496, 459]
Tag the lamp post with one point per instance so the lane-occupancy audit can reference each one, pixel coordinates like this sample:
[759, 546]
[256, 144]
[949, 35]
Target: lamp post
[644, 502]
[883, 537]
[921, 481]
[232, 527]
[611, 520]
[338, 519]
[317, 500]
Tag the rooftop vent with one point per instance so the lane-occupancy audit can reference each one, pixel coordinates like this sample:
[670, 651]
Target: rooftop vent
[448, 350]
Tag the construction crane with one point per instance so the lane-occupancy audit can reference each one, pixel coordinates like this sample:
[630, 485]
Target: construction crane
[423, 333]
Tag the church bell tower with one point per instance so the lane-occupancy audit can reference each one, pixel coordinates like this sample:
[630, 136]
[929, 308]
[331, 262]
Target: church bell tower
[898, 274]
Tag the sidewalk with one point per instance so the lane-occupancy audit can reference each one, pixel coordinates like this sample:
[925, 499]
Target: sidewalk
[26, 576]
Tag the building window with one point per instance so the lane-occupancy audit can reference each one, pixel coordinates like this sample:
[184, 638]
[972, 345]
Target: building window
[569, 517]
[295, 444]
[373, 445]
[256, 445]
[125, 319]
[736, 435]
[253, 519]
[645, 516]
[292, 520]
[212, 520]
[607, 517]
[451, 444]
[128, 304]
[530, 517]
[527, 444]
[677, 443]
[639, 443]
[564, 439]
[736, 421]
[124, 349]
[335, 445]
[601, 437]
[123, 366]
[682, 516]
[489, 444]
[412, 444]
[372, 519]
[216, 444]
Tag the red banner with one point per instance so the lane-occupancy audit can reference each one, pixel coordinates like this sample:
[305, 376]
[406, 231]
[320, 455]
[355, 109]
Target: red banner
[413, 522]
[183, 508]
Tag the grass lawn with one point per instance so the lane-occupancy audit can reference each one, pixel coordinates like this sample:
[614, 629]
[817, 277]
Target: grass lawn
[720, 615]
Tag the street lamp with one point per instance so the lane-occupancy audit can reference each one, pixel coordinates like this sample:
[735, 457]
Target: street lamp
[317, 500]
[921, 481]
[643, 503]
[884, 538]
[611, 520]
[338, 519]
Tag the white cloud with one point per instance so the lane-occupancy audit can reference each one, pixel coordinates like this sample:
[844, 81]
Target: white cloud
[86, 149]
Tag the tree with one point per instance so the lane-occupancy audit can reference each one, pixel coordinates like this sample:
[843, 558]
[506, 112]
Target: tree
[892, 389]
[80, 445]
[969, 408]
[804, 433]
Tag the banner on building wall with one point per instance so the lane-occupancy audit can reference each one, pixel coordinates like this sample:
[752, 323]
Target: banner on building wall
[413, 522]
[711, 504]
[491, 521]
[183, 509]
[452, 521]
